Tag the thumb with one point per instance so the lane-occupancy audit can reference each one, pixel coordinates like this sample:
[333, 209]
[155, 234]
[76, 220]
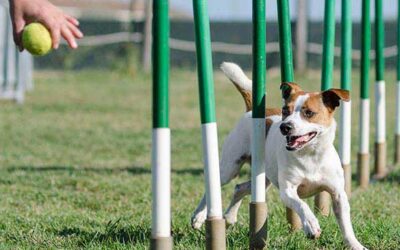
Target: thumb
[18, 27]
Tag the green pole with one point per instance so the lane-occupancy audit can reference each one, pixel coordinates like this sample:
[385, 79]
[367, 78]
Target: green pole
[285, 41]
[215, 224]
[380, 95]
[345, 83]
[160, 64]
[398, 41]
[365, 49]
[287, 75]
[363, 154]
[204, 61]
[397, 124]
[379, 41]
[258, 206]
[346, 44]
[328, 45]
[322, 200]
[259, 65]
[161, 139]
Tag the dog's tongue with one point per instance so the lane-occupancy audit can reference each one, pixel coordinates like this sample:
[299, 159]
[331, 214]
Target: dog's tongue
[303, 138]
[294, 141]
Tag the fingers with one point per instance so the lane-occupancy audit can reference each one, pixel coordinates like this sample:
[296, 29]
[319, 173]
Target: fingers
[72, 20]
[55, 30]
[75, 30]
[69, 37]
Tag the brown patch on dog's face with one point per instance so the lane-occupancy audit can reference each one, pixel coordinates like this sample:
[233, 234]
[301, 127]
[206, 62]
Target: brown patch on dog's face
[331, 98]
[289, 89]
[318, 108]
[315, 111]
[290, 93]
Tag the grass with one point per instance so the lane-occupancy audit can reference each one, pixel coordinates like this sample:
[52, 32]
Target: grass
[75, 167]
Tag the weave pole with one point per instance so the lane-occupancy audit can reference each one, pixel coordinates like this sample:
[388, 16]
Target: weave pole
[258, 207]
[322, 200]
[397, 131]
[345, 83]
[380, 105]
[363, 153]
[161, 145]
[285, 48]
[215, 224]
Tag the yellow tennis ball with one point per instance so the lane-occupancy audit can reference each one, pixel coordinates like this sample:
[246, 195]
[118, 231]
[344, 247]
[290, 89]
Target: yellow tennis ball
[36, 39]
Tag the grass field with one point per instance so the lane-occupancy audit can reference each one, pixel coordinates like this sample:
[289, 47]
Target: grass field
[75, 167]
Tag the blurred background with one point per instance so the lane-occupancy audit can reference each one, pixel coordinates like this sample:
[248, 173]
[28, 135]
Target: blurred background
[75, 157]
[118, 28]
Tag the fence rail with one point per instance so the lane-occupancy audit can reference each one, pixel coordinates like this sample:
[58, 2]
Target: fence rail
[220, 47]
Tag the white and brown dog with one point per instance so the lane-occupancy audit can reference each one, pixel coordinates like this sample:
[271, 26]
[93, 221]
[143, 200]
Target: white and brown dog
[300, 159]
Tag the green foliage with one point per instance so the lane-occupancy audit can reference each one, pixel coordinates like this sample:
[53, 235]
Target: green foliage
[75, 167]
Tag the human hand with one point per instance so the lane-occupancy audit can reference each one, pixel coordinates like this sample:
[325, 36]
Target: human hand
[56, 21]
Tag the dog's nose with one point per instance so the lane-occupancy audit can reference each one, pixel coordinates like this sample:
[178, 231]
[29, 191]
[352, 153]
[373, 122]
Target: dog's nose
[286, 128]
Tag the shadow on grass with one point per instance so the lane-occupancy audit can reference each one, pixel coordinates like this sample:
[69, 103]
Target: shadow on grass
[134, 170]
[394, 176]
[121, 231]
[115, 231]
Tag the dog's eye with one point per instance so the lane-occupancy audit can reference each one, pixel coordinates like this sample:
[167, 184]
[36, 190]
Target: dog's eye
[285, 111]
[308, 113]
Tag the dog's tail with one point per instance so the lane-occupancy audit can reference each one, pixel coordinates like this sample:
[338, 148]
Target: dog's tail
[241, 82]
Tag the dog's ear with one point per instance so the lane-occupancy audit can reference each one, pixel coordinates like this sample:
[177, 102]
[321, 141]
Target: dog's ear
[289, 88]
[331, 97]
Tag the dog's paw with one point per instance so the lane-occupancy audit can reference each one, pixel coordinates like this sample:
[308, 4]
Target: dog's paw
[198, 220]
[311, 228]
[356, 246]
[230, 219]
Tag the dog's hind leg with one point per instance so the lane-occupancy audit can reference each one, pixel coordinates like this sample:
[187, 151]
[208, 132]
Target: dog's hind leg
[241, 190]
[229, 169]
[235, 152]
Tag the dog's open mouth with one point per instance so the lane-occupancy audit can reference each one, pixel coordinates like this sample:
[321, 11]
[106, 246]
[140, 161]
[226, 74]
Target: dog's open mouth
[298, 141]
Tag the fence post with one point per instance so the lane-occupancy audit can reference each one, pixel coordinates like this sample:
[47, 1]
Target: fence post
[3, 47]
[301, 36]
[146, 56]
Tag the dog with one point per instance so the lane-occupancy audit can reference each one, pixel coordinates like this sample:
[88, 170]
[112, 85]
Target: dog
[300, 158]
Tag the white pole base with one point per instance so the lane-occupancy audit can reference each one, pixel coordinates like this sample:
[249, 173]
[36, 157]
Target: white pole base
[211, 170]
[364, 126]
[161, 183]
[257, 160]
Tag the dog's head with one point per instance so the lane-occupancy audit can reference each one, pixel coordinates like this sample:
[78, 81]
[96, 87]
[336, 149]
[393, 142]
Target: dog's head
[308, 115]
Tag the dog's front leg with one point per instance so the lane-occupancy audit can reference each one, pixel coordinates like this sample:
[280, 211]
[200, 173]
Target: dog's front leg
[289, 196]
[200, 214]
[341, 209]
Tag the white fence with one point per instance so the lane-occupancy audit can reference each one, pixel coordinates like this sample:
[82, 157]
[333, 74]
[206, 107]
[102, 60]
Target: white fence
[230, 48]
[15, 68]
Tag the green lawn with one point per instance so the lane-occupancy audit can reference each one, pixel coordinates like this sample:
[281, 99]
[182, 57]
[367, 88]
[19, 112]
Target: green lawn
[75, 167]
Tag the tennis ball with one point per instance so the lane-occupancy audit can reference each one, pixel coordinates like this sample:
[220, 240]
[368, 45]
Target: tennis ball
[36, 39]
